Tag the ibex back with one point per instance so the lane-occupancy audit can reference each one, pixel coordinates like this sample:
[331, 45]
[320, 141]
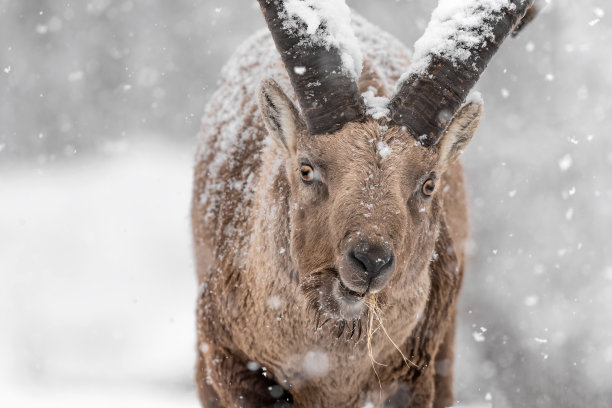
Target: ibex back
[330, 240]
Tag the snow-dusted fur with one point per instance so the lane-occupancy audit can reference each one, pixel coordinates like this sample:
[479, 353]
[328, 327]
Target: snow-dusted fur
[268, 247]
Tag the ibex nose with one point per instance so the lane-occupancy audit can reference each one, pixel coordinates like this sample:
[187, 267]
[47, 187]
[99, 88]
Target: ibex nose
[373, 259]
[368, 267]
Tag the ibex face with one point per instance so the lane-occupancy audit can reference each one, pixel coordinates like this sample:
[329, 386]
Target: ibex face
[364, 203]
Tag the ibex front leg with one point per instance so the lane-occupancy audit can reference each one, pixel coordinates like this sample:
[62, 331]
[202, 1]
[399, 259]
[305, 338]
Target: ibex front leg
[225, 380]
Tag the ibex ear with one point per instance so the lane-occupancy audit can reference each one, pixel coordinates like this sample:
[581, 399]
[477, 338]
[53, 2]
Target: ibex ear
[459, 132]
[280, 116]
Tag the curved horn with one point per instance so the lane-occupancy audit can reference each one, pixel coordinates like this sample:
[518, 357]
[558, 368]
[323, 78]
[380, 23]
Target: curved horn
[458, 43]
[325, 87]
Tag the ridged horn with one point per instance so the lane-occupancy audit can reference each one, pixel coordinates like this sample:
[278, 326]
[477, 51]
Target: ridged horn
[456, 47]
[326, 91]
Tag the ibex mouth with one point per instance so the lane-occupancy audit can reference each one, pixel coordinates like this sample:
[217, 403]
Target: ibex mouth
[350, 303]
[327, 294]
[349, 293]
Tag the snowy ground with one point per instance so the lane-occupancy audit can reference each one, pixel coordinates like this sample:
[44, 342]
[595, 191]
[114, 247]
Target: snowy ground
[98, 288]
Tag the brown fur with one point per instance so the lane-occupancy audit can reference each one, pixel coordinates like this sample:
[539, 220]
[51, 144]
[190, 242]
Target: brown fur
[269, 259]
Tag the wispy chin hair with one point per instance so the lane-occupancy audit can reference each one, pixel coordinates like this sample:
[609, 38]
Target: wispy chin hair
[327, 316]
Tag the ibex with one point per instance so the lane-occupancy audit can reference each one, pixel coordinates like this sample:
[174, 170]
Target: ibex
[329, 240]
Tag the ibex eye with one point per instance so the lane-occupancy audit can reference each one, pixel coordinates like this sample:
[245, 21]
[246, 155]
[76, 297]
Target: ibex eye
[307, 173]
[428, 187]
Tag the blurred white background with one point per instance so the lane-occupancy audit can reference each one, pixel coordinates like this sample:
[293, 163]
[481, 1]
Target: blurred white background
[100, 104]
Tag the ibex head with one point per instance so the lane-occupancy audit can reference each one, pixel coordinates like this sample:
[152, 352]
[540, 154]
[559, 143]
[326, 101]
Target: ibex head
[365, 202]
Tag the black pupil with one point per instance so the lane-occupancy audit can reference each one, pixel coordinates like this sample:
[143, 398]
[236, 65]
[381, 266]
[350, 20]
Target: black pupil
[429, 186]
[306, 172]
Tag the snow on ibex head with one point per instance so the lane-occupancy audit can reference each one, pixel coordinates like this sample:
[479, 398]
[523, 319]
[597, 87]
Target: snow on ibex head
[455, 28]
[327, 23]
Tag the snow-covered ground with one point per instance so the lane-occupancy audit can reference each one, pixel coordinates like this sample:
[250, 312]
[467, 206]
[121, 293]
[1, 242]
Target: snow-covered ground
[98, 289]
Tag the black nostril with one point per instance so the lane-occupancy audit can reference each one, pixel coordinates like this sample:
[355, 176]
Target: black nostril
[360, 260]
[374, 260]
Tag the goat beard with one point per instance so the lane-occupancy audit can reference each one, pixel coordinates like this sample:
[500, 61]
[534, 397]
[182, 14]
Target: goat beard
[323, 308]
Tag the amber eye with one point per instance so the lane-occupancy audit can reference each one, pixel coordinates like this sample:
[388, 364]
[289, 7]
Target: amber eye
[307, 173]
[428, 187]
